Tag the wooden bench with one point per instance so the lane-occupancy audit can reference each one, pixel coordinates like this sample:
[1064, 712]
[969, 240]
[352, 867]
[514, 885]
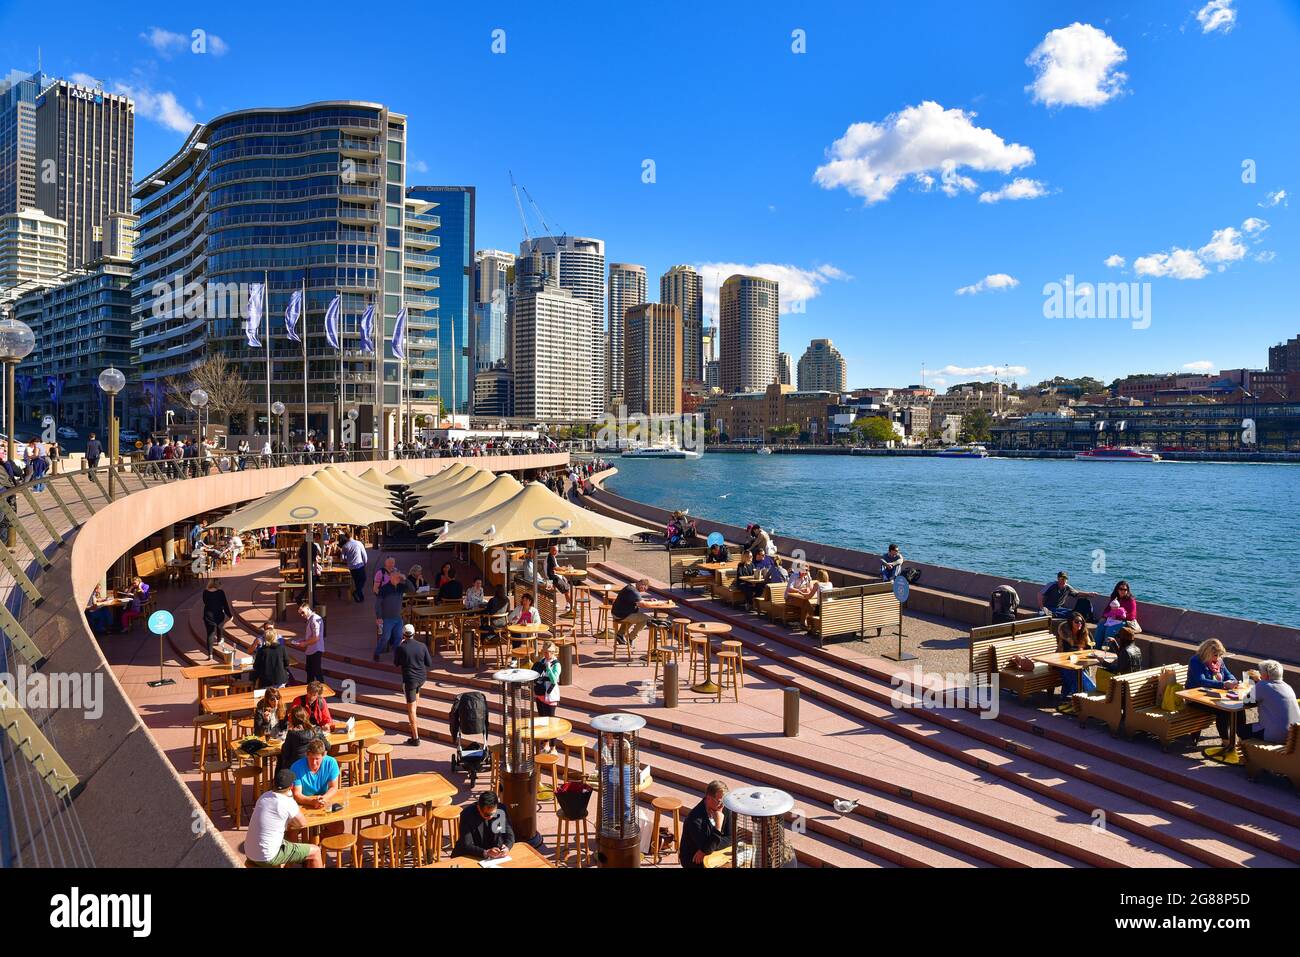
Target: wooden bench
[1109, 705]
[723, 587]
[852, 610]
[1283, 759]
[680, 564]
[984, 637]
[1043, 679]
[771, 604]
[150, 566]
[1143, 713]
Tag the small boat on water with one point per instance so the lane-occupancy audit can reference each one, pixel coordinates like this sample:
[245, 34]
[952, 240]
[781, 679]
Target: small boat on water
[763, 450]
[666, 451]
[964, 452]
[1117, 453]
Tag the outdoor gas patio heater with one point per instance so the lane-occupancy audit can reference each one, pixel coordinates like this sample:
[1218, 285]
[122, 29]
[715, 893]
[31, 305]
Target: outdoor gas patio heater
[758, 832]
[518, 769]
[618, 832]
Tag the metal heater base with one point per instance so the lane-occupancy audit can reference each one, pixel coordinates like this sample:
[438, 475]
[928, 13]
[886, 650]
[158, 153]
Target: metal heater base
[619, 852]
[519, 794]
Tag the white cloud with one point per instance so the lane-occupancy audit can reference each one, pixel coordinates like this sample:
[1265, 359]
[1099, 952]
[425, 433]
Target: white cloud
[165, 43]
[1115, 261]
[1201, 365]
[85, 79]
[420, 166]
[1254, 225]
[997, 280]
[796, 285]
[1265, 256]
[161, 106]
[217, 46]
[1019, 188]
[1225, 246]
[871, 159]
[1076, 66]
[1275, 198]
[1217, 15]
[974, 372]
[1176, 264]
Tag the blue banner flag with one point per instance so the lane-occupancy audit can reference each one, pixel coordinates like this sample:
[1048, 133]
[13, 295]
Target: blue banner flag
[368, 330]
[256, 306]
[399, 334]
[332, 321]
[291, 314]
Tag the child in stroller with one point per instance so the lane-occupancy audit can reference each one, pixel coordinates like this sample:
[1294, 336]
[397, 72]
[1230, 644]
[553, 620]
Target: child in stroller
[469, 730]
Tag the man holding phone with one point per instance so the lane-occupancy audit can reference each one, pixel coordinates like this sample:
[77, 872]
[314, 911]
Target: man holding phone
[390, 586]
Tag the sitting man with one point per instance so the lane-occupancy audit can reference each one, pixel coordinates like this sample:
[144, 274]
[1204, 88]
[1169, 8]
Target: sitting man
[1277, 704]
[313, 702]
[451, 591]
[707, 828]
[552, 570]
[485, 830]
[627, 613]
[275, 812]
[891, 563]
[1055, 596]
[316, 781]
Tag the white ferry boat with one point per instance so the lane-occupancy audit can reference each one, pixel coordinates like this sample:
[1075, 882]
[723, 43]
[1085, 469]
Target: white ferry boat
[667, 451]
[763, 450]
[964, 452]
[1117, 453]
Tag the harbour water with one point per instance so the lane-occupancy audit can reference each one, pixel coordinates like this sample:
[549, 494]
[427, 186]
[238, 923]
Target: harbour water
[1221, 538]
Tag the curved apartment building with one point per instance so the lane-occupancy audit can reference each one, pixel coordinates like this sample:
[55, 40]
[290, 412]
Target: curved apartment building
[749, 317]
[309, 197]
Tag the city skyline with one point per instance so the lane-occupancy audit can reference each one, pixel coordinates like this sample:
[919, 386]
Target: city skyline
[1052, 173]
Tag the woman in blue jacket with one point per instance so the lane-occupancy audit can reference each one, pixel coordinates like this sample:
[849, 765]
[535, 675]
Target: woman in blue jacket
[1208, 669]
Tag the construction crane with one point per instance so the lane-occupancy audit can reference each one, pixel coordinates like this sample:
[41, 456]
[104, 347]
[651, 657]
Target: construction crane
[537, 210]
[519, 206]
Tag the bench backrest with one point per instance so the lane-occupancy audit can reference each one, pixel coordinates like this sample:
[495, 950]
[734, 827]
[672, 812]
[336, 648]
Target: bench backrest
[1141, 686]
[546, 605]
[984, 638]
[774, 593]
[680, 559]
[1042, 643]
[844, 610]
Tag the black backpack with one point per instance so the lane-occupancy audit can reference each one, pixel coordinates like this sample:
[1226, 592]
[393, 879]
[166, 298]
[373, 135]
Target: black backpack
[1003, 604]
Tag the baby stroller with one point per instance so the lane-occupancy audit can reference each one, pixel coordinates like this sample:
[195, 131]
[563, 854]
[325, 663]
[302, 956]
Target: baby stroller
[1003, 604]
[469, 729]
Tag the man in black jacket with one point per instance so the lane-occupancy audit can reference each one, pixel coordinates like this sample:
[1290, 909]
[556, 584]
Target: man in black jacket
[485, 830]
[707, 828]
[93, 451]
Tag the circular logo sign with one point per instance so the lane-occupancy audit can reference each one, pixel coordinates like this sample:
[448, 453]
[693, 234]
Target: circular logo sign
[550, 524]
[901, 590]
[304, 513]
[160, 622]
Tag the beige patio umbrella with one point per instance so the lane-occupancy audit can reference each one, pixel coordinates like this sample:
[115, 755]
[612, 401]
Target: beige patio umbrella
[459, 487]
[436, 480]
[498, 491]
[374, 476]
[401, 475]
[347, 484]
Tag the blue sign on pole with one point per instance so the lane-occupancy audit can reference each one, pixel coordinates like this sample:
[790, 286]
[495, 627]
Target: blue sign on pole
[901, 589]
[160, 622]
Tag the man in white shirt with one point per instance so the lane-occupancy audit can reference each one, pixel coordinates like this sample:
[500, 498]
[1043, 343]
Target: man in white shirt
[275, 812]
[312, 644]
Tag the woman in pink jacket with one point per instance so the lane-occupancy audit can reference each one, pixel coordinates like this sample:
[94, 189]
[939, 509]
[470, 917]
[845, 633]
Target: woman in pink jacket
[1121, 611]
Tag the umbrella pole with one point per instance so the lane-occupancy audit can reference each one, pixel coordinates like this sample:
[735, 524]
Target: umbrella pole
[308, 566]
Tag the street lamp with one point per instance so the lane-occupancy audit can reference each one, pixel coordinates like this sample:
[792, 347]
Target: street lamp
[16, 343]
[277, 410]
[111, 381]
[199, 399]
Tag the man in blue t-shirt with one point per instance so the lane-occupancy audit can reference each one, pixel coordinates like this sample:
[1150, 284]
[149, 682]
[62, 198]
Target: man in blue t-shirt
[316, 777]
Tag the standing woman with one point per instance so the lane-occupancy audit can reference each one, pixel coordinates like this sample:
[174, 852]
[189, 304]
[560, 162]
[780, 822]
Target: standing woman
[216, 612]
[40, 464]
[271, 663]
[547, 687]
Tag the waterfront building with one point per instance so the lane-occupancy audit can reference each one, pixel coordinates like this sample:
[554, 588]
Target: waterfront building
[551, 332]
[88, 135]
[627, 288]
[1285, 356]
[494, 392]
[653, 349]
[783, 371]
[961, 400]
[33, 251]
[822, 367]
[681, 286]
[578, 264]
[312, 195]
[456, 332]
[752, 415]
[749, 320]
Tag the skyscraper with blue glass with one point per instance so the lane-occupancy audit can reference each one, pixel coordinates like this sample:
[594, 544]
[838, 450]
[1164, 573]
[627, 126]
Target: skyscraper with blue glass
[455, 273]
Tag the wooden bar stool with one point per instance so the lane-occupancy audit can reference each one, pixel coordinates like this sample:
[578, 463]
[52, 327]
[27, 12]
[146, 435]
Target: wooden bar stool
[580, 606]
[572, 744]
[660, 629]
[728, 673]
[245, 772]
[338, 844]
[243, 728]
[444, 822]
[547, 764]
[699, 657]
[211, 768]
[380, 838]
[665, 650]
[574, 831]
[379, 762]
[680, 634]
[662, 806]
[214, 733]
[410, 836]
[732, 644]
[349, 764]
[602, 622]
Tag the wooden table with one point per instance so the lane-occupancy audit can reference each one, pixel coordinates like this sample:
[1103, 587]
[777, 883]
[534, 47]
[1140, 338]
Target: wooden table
[202, 673]
[234, 703]
[363, 732]
[1217, 700]
[658, 604]
[706, 628]
[521, 855]
[546, 729]
[1060, 660]
[394, 794]
[529, 634]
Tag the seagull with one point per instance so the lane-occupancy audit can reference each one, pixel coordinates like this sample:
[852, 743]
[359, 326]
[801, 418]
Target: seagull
[843, 806]
[724, 495]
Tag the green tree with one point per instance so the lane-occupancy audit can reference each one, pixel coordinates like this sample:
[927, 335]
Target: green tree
[874, 429]
[976, 426]
[787, 431]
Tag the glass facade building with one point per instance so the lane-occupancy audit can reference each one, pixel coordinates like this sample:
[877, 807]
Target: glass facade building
[455, 273]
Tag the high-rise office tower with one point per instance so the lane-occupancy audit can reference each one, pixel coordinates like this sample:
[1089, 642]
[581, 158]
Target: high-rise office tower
[783, 371]
[18, 93]
[425, 357]
[713, 374]
[578, 264]
[493, 279]
[653, 359]
[551, 328]
[455, 273]
[682, 287]
[822, 368]
[87, 137]
[750, 323]
[311, 194]
[709, 345]
[33, 251]
[627, 288]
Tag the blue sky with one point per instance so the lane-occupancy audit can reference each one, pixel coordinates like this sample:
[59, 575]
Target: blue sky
[1127, 132]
